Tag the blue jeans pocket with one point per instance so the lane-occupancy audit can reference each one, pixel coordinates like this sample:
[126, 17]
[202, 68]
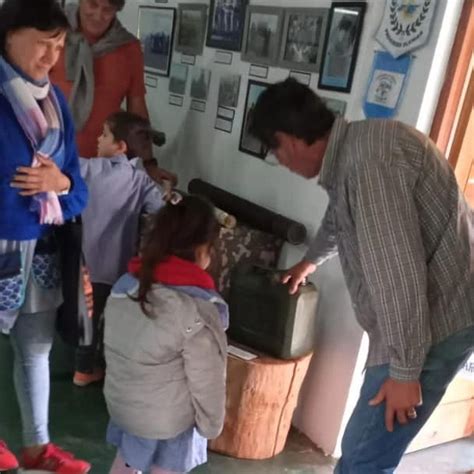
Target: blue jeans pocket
[11, 281]
[45, 264]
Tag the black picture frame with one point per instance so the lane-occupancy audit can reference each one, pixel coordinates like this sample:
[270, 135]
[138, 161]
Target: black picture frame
[262, 34]
[304, 31]
[341, 46]
[247, 143]
[225, 30]
[157, 43]
[191, 31]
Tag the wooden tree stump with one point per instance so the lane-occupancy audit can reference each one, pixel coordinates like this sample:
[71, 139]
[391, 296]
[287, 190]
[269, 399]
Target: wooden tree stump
[261, 397]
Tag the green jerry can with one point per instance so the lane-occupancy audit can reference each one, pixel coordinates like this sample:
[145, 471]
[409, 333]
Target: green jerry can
[265, 317]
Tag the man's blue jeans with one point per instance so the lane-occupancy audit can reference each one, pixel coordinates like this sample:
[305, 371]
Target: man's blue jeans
[367, 446]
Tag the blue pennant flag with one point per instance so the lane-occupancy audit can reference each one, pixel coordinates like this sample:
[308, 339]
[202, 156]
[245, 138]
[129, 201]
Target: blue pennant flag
[386, 85]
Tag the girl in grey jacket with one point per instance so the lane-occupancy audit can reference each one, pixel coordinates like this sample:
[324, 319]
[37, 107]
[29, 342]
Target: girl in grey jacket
[165, 347]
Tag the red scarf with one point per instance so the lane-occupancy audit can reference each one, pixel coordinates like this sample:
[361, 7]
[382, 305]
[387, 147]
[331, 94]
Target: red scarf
[176, 272]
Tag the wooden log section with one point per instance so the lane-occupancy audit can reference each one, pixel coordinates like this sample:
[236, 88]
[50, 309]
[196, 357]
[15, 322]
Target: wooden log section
[261, 397]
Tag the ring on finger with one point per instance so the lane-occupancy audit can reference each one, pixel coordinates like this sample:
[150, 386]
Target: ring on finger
[411, 413]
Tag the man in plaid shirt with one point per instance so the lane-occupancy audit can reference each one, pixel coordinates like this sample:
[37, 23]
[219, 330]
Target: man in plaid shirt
[405, 237]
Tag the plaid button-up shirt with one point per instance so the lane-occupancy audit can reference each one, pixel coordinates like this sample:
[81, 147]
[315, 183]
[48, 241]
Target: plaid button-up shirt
[405, 238]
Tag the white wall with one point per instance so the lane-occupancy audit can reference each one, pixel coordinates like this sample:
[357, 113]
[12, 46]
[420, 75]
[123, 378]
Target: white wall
[195, 149]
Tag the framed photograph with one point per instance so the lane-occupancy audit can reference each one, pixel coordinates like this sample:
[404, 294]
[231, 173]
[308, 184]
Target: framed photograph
[341, 46]
[226, 113]
[262, 35]
[200, 83]
[176, 100]
[192, 20]
[303, 77]
[226, 24]
[156, 31]
[151, 81]
[198, 105]
[229, 88]
[223, 57]
[178, 79]
[335, 105]
[224, 125]
[249, 144]
[304, 30]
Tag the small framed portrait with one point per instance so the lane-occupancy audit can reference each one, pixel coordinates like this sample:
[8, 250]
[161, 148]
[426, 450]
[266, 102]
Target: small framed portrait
[262, 33]
[156, 31]
[229, 88]
[192, 21]
[178, 79]
[226, 24]
[335, 105]
[341, 45]
[249, 144]
[200, 83]
[304, 30]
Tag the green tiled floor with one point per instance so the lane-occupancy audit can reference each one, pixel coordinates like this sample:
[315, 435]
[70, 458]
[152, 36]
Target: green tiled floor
[79, 419]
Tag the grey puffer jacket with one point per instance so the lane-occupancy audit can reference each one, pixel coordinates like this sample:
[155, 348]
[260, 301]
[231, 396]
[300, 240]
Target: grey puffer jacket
[165, 373]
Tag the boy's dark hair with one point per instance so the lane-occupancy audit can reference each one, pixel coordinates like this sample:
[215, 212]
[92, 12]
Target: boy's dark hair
[134, 130]
[43, 15]
[178, 229]
[293, 108]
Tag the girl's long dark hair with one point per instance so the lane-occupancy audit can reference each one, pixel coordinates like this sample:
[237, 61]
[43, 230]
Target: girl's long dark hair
[177, 230]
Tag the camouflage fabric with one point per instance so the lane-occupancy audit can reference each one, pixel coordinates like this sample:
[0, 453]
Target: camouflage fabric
[241, 245]
[238, 245]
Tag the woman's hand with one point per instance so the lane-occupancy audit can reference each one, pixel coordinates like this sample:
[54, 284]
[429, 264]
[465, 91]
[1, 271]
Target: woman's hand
[43, 178]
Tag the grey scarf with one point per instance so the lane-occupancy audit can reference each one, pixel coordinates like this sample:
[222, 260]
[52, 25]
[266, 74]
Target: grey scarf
[80, 63]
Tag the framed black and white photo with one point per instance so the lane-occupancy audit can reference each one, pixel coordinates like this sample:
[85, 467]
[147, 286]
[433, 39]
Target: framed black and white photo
[192, 21]
[304, 31]
[229, 88]
[248, 143]
[178, 79]
[156, 31]
[262, 34]
[341, 45]
[226, 24]
[200, 83]
[335, 105]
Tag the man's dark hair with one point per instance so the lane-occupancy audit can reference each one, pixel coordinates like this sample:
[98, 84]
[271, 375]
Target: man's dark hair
[292, 108]
[43, 15]
[134, 130]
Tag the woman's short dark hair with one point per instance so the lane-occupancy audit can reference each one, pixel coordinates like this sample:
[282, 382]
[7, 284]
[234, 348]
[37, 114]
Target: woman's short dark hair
[134, 130]
[43, 15]
[118, 4]
[292, 108]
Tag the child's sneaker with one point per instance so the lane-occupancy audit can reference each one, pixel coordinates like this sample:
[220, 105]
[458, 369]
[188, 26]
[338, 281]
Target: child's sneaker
[81, 379]
[53, 460]
[7, 458]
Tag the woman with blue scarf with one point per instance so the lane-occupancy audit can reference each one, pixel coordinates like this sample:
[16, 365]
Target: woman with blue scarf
[40, 188]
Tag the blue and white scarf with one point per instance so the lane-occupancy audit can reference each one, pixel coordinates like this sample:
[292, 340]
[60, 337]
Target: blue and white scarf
[37, 110]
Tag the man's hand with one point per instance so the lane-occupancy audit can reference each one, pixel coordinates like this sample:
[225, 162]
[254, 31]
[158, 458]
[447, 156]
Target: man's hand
[43, 178]
[297, 275]
[159, 174]
[400, 398]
